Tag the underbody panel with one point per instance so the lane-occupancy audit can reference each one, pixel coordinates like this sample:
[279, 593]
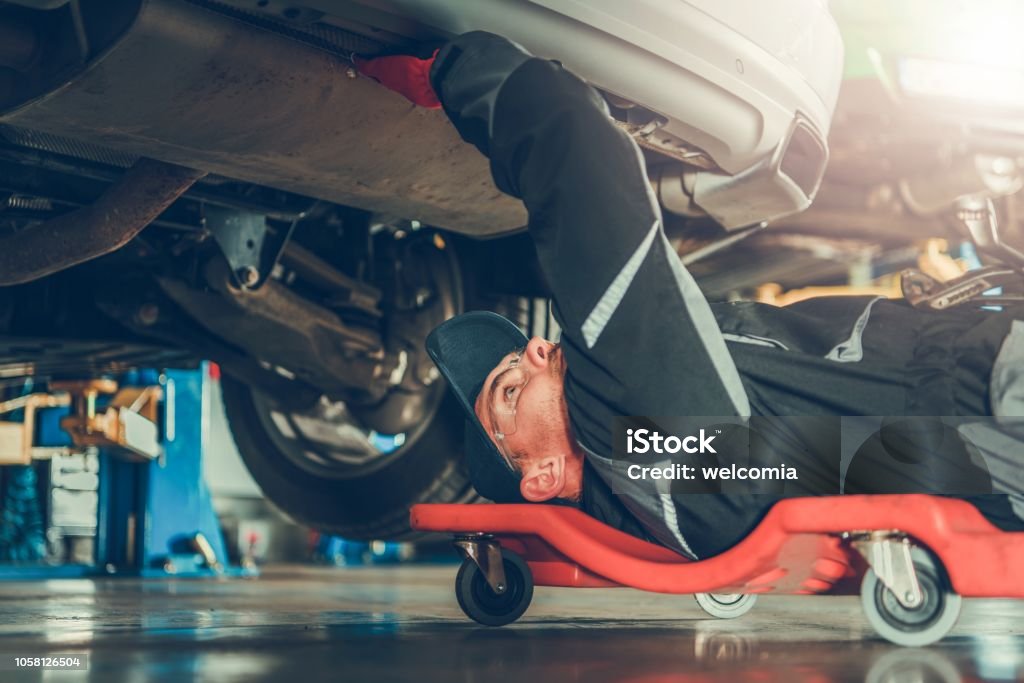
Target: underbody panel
[191, 86]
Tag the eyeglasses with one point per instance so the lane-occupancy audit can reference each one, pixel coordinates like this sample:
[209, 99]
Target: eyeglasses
[508, 387]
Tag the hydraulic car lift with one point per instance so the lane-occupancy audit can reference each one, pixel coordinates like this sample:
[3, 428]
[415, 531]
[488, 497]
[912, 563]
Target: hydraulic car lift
[155, 515]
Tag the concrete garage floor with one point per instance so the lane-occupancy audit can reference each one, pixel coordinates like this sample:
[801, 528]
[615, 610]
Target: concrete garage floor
[402, 624]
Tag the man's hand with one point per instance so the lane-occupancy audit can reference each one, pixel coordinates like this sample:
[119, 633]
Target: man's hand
[406, 75]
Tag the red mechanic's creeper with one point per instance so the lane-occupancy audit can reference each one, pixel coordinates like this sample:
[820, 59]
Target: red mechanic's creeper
[408, 76]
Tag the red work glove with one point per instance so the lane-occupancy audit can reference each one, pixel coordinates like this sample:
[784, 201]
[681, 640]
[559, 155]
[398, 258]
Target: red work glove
[407, 76]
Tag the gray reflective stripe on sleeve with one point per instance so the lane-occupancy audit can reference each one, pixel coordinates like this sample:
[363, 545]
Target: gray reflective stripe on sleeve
[710, 335]
[595, 323]
[755, 340]
[697, 306]
[852, 350]
[1006, 384]
[654, 511]
[997, 442]
[668, 513]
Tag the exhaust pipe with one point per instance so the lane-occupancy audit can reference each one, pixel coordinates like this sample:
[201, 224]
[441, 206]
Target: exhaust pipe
[128, 206]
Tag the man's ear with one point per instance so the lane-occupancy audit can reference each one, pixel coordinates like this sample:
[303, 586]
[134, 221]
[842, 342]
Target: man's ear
[544, 479]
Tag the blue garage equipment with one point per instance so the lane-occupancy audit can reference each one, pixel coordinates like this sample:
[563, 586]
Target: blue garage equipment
[155, 517]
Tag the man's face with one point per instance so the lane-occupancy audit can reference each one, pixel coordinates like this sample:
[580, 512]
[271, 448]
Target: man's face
[521, 404]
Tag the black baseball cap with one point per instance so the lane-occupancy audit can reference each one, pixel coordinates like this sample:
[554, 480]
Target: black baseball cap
[465, 350]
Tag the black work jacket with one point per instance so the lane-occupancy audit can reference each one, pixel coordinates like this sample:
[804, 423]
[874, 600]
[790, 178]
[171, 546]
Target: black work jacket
[638, 335]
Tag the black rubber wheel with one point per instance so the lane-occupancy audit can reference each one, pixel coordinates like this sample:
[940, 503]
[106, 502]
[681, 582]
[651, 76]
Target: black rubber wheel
[919, 626]
[483, 605]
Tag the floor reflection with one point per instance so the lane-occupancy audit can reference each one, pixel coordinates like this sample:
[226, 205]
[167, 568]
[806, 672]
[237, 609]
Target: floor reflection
[404, 627]
[452, 653]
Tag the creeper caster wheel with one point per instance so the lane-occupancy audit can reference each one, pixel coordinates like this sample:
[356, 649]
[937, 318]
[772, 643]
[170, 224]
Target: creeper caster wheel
[926, 621]
[482, 603]
[725, 605]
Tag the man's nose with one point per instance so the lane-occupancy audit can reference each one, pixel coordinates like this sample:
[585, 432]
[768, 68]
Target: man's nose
[538, 351]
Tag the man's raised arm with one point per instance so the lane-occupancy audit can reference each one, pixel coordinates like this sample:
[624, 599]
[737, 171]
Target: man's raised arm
[637, 333]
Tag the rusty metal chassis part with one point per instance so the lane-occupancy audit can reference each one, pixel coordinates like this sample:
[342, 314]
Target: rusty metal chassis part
[248, 245]
[145, 310]
[120, 213]
[274, 323]
[360, 359]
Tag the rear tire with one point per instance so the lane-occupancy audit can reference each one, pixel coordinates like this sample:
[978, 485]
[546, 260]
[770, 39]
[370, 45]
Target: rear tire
[365, 506]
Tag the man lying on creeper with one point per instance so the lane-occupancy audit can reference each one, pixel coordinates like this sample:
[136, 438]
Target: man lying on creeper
[638, 336]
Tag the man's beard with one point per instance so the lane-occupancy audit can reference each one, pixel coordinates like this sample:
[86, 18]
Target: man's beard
[554, 414]
[557, 361]
[556, 405]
